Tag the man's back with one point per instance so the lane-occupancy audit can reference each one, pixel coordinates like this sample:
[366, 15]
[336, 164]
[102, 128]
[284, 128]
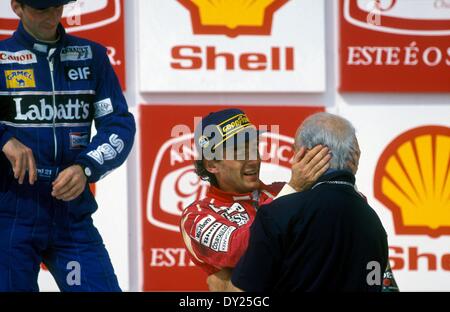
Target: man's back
[319, 240]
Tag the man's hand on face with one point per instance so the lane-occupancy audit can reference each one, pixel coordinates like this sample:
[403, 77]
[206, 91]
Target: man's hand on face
[308, 166]
[21, 159]
[69, 184]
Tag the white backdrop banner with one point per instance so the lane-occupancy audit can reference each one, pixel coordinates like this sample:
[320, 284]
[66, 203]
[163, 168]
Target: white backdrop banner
[231, 46]
[404, 172]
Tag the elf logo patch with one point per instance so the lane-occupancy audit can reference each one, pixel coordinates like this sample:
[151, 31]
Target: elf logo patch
[18, 79]
[78, 73]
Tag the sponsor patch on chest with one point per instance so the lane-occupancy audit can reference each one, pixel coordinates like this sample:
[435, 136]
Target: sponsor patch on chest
[78, 140]
[19, 79]
[76, 53]
[20, 57]
[80, 73]
[236, 213]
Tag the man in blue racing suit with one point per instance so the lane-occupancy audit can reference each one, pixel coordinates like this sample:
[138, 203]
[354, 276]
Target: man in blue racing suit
[52, 86]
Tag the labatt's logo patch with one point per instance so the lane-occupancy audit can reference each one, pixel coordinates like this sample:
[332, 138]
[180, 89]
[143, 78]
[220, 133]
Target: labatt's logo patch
[174, 185]
[17, 79]
[232, 18]
[412, 179]
[72, 110]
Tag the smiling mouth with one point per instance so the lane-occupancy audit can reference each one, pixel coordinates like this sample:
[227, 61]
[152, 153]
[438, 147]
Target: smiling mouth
[251, 173]
[50, 25]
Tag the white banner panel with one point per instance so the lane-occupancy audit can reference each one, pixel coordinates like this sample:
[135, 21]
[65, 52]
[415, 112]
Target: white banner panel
[231, 46]
[404, 172]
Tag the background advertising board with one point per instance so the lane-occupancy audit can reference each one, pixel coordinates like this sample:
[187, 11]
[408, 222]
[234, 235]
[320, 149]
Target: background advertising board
[404, 172]
[395, 45]
[232, 46]
[169, 183]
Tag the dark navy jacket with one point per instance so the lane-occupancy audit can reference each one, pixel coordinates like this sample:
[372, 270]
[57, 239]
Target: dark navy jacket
[325, 239]
[49, 97]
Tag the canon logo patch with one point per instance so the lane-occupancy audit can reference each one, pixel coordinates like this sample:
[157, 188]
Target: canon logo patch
[20, 57]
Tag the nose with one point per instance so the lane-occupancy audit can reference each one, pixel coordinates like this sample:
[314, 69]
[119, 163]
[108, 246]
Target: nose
[54, 14]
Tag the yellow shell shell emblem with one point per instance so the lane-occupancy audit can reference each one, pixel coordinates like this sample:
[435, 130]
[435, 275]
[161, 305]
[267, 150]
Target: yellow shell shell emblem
[412, 179]
[232, 17]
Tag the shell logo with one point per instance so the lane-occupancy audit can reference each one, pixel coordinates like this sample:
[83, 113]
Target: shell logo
[412, 179]
[232, 18]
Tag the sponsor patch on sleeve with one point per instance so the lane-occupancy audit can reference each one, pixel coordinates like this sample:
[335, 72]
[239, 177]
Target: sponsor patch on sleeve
[225, 242]
[103, 108]
[221, 239]
[201, 227]
[19, 79]
[209, 233]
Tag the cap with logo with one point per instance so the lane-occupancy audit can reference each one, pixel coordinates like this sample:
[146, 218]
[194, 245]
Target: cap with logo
[223, 127]
[44, 4]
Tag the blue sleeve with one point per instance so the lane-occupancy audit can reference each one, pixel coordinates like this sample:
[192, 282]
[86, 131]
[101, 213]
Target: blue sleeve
[5, 135]
[258, 267]
[115, 126]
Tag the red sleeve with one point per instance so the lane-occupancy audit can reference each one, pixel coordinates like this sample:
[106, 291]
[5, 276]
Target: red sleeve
[212, 239]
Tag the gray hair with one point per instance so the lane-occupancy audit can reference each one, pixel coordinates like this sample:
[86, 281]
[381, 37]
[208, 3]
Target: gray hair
[332, 131]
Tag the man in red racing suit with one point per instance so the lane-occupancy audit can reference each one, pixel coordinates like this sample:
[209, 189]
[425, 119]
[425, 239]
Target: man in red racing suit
[216, 228]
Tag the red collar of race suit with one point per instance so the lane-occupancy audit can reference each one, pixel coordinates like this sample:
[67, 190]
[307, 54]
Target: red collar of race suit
[254, 196]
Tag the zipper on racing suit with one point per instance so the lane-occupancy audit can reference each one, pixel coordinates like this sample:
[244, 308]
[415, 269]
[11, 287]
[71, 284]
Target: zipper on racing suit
[50, 60]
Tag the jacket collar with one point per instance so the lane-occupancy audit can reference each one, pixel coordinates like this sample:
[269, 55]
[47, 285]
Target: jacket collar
[337, 175]
[40, 47]
[220, 195]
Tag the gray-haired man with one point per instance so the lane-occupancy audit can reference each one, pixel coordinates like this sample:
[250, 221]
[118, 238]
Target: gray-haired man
[324, 239]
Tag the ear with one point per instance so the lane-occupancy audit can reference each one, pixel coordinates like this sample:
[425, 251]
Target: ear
[211, 166]
[17, 8]
[354, 161]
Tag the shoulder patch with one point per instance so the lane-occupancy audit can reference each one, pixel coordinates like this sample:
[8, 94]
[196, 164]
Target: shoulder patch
[221, 240]
[103, 108]
[202, 225]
